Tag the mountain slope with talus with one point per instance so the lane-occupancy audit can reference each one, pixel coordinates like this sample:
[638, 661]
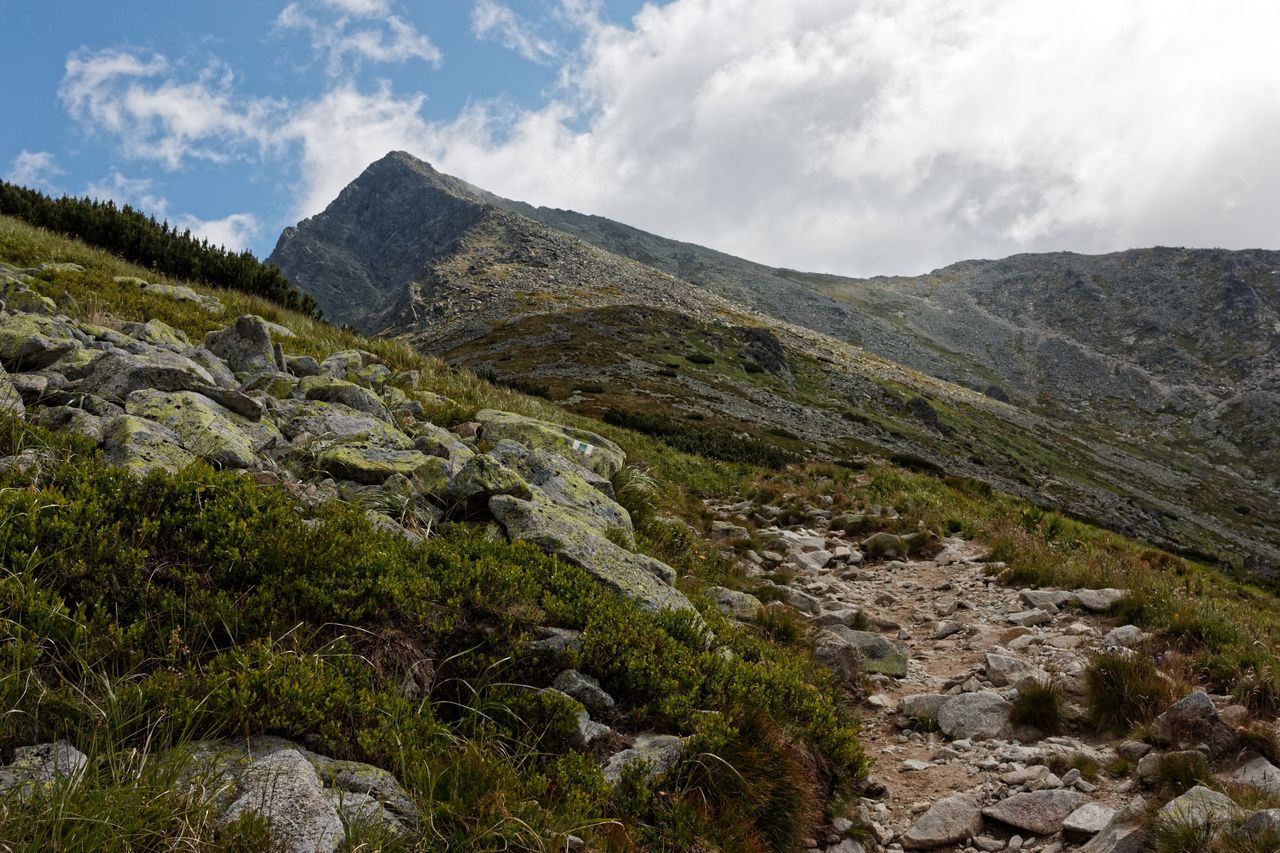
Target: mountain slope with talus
[987, 376]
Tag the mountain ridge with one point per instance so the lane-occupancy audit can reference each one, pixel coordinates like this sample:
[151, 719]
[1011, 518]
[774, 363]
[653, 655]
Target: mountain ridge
[487, 283]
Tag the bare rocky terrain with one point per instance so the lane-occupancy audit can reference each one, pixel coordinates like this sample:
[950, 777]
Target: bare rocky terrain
[1135, 390]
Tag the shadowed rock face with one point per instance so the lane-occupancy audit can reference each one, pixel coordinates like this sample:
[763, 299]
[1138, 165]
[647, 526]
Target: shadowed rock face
[1137, 389]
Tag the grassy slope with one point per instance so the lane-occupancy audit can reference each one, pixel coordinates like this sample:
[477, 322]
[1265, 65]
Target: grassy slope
[134, 616]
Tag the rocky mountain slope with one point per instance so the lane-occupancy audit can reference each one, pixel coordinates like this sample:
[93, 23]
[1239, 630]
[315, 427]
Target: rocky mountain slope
[268, 584]
[604, 319]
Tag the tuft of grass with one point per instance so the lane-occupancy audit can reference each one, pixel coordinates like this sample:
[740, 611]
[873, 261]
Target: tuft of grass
[1060, 764]
[781, 624]
[1041, 706]
[1178, 772]
[1124, 691]
[1263, 740]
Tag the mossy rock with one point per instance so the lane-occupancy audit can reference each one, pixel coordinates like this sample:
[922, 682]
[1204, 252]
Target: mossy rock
[157, 333]
[33, 341]
[17, 296]
[363, 462]
[329, 390]
[437, 441]
[206, 428]
[142, 446]
[10, 399]
[336, 422]
[482, 477]
[279, 386]
[579, 491]
[554, 529]
[593, 452]
[181, 293]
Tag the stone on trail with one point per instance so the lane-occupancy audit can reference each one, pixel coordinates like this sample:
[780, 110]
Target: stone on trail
[875, 652]
[974, 716]
[1098, 600]
[1037, 812]
[949, 821]
[1087, 821]
[1007, 671]
[731, 602]
[924, 705]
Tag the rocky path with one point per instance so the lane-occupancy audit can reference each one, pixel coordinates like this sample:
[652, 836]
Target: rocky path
[939, 650]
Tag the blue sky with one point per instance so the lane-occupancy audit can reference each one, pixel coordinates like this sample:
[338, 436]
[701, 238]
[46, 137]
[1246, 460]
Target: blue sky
[852, 136]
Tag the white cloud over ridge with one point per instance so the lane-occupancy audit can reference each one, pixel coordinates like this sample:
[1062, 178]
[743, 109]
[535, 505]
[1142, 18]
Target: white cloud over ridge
[855, 136]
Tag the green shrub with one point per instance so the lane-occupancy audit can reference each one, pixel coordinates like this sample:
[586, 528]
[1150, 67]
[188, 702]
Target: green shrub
[706, 441]
[1178, 772]
[1041, 706]
[699, 358]
[1125, 690]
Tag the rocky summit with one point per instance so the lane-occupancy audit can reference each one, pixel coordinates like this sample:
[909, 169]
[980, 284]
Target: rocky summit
[1136, 390]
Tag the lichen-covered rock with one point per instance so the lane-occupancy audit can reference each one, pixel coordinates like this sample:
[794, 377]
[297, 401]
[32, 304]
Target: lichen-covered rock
[245, 345]
[33, 341]
[1260, 773]
[178, 293]
[348, 394]
[569, 485]
[635, 576]
[339, 364]
[438, 441]
[273, 384]
[1200, 807]
[18, 296]
[38, 765]
[591, 451]
[284, 789]
[302, 365]
[731, 602]
[10, 399]
[362, 461]
[69, 419]
[157, 333]
[334, 422]
[482, 477]
[205, 428]
[657, 753]
[142, 446]
[115, 375]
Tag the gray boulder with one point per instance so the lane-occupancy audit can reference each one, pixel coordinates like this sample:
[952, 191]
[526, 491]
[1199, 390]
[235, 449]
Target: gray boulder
[34, 766]
[285, 790]
[642, 579]
[731, 602]
[657, 753]
[586, 690]
[10, 399]
[924, 705]
[591, 451]
[1098, 600]
[1201, 807]
[949, 821]
[1190, 721]
[569, 485]
[32, 341]
[975, 716]
[1261, 774]
[347, 393]
[336, 422]
[1124, 833]
[1265, 822]
[142, 446]
[1037, 812]
[245, 345]
[1087, 821]
[205, 428]
[1007, 671]
[876, 653]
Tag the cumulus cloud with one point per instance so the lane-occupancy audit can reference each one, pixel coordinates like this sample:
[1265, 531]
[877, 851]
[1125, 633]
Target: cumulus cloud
[363, 31]
[490, 19]
[234, 232]
[33, 169]
[855, 136]
[139, 193]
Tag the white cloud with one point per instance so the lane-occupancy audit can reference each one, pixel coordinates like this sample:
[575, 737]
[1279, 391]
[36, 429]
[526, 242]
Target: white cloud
[856, 136]
[490, 19]
[33, 169]
[344, 42]
[234, 232]
[898, 135]
[139, 193]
